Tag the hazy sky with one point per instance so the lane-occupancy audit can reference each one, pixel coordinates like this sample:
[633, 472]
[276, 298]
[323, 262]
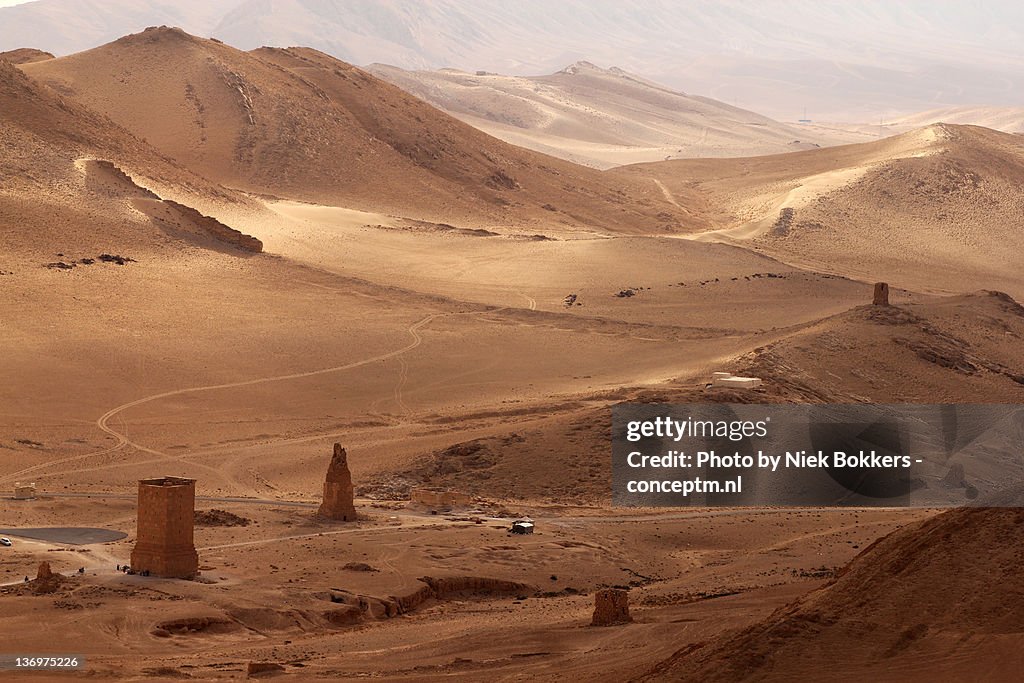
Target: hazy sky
[8, 3]
[841, 59]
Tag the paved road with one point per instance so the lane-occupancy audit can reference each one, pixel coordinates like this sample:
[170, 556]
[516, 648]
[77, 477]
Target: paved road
[204, 499]
[69, 535]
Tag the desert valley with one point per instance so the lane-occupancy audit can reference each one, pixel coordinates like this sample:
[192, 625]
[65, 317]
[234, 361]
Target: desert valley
[217, 263]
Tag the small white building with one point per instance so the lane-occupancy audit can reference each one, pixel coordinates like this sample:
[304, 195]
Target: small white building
[730, 381]
[521, 526]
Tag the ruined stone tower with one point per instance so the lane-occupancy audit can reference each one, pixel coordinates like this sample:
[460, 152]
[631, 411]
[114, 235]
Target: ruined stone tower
[339, 496]
[611, 606]
[163, 541]
[881, 294]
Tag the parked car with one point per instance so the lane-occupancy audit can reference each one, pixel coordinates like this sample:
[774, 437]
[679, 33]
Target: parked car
[5, 541]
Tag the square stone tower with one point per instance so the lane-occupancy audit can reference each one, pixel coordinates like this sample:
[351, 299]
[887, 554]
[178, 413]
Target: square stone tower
[163, 541]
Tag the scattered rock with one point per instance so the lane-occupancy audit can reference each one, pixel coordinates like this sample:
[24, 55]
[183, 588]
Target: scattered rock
[116, 258]
[87, 261]
[219, 518]
[501, 180]
[359, 567]
[783, 223]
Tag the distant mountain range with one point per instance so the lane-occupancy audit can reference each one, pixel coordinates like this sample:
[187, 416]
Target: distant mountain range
[605, 117]
[840, 60]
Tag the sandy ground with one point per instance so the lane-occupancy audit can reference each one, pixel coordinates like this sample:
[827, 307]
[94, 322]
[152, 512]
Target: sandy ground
[399, 338]
[265, 595]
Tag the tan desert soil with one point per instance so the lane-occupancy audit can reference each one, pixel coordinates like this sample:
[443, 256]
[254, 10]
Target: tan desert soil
[414, 300]
[931, 601]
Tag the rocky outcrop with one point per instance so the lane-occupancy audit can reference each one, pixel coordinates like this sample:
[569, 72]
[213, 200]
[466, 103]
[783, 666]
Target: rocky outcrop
[25, 55]
[218, 229]
[192, 625]
[103, 178]
[955, 476]
[348, 615]
[611, 607]
[106, 179]
[431, 589]
[475, 585]
[359, 567]
[338, 503]
[261, 669]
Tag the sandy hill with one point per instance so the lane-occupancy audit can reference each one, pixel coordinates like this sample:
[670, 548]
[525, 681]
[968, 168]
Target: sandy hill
[601, 117]
[936, 600]
[75, 180]
[962, 349]
[936, 208]
[1006, 119]
[300, 124]
[24, 55]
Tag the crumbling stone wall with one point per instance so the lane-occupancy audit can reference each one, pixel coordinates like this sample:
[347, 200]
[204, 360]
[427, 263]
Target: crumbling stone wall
[611, 606]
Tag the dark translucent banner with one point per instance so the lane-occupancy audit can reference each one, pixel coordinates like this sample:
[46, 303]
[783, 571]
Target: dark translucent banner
[714, 454]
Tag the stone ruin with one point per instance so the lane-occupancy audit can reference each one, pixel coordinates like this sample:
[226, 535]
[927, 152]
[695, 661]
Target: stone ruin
[611, 606]
[46, 580]
[438, 499]
[24, 491]
[881, 294]
[339, 496]
[731, 381]
[164, 544]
